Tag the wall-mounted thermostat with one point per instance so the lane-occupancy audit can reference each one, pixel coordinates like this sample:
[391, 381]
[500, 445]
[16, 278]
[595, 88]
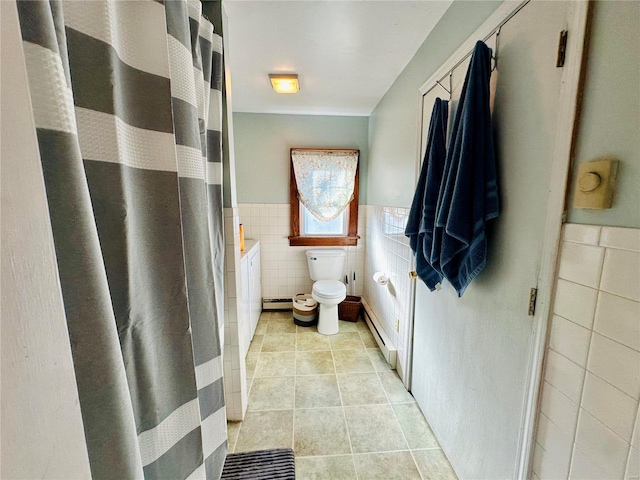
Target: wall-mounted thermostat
[596, 184]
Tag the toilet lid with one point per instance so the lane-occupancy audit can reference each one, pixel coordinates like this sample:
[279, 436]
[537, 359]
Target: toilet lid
[329, 288]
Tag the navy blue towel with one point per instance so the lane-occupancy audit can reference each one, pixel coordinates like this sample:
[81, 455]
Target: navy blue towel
[423, 209]
[469, 193]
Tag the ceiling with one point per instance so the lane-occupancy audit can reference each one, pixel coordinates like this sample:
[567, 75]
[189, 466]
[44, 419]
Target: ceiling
[347, 53]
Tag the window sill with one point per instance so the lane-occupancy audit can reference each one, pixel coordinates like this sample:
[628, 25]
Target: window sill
[298, 241]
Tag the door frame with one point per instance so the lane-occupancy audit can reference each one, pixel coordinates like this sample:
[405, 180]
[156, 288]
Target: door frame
[568, 115]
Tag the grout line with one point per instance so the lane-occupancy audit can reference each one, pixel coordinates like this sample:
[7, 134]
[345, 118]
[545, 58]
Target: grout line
[293, 413]
[344, 414]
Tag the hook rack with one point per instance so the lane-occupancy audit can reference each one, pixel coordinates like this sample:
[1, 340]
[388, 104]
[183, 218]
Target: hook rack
[448, 90]
[494, 57]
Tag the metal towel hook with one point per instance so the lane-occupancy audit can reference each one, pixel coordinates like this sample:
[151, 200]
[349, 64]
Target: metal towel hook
[494, 57]
[448, 90]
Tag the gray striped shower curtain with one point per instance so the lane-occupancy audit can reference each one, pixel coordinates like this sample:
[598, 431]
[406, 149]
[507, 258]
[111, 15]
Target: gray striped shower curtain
[127, 104]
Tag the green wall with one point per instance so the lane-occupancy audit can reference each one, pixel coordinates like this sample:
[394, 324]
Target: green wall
[393, 123]
[610, 121]
[262, 143]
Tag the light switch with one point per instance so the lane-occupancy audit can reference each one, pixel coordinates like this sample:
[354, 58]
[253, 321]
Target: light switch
[596, 184]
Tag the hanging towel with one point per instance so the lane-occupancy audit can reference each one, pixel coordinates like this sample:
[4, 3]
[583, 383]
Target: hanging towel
[469, 194]
[422, 214]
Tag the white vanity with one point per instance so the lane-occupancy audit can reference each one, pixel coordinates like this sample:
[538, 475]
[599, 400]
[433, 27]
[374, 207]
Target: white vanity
[251, 301]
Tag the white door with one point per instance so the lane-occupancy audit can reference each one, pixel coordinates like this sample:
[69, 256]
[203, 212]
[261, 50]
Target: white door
[471, 355]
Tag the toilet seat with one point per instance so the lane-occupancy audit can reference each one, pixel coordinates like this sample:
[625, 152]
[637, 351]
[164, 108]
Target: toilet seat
[329, 289]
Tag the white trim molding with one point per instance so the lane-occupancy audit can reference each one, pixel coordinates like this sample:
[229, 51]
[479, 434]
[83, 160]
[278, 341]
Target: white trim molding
[568, 110]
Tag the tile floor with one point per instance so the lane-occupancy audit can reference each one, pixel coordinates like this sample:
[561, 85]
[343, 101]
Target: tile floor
[336, 402]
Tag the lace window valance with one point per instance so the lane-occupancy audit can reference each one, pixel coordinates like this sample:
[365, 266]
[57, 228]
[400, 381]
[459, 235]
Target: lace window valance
[325, 180]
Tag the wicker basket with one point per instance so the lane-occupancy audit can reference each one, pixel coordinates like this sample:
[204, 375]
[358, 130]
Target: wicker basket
[349, 309]
[305, 310]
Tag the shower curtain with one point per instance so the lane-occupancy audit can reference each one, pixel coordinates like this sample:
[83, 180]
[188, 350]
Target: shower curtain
[127, 105]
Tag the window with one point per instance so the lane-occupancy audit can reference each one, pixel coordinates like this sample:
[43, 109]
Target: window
[338, 187]
[310, 225]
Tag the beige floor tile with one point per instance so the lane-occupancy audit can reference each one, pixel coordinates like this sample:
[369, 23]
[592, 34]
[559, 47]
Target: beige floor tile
[314, 363]
[309, 341]
[352, 361]
[256, 344]
[346, 327]
[361, 389]
[346, 341]
[264, 317]
[374, 428]
[279, 342]
[434, 465]
[338, 467]
[280, 325]
[263, 430]
[272, 393]
[320, 431]
[378, 361]
[261, 328]
[282, 315]
[361, 325]
[276, 364]
[250, 362]
[367, 338]
[314, 391]
[394, 387]
[233, 428]
[415, 427]
[317, 393]
[386, 466]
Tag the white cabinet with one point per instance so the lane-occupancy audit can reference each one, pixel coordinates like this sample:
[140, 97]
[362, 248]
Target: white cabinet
[255, 288]
[251, 300]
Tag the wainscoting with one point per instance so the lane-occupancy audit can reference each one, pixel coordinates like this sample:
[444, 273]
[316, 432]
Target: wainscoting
[588, 423]
[284, 268]
[388, 251]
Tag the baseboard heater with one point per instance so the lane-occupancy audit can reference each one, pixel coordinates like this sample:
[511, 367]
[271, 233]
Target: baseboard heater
[277, 304]
[387, 348]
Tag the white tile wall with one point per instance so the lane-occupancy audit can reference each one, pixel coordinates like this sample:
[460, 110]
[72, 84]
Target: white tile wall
[633, 465]
[284, 268]
[581, 264]
[609, 405]
[556, 442]
[565, 375]
[235, 379]
[617, 318]
[559, 409]
[602, 445]
[616, 364]
[570, 339]
[591, 387]
[388, 251]
[575, 302]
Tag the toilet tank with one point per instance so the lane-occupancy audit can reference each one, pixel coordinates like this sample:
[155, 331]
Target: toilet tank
[326, 264]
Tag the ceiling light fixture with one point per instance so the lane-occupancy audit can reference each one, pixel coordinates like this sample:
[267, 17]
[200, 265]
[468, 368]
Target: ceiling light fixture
[285, 82]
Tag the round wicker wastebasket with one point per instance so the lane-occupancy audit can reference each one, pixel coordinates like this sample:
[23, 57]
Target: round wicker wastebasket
[305, 310]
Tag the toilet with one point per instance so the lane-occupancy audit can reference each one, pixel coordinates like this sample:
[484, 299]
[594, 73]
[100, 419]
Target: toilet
[326, 268]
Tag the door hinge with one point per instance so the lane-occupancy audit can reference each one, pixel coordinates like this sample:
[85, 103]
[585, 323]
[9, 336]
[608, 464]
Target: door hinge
[533, 294]
[562, 48]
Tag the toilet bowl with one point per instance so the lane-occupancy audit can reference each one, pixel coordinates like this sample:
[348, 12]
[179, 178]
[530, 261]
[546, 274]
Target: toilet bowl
[328, 294]
[326, 267]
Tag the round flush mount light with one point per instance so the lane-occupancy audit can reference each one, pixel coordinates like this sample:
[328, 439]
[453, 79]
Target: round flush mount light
[284, 82]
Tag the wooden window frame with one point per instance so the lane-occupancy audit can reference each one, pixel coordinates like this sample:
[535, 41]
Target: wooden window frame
[297, 240]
